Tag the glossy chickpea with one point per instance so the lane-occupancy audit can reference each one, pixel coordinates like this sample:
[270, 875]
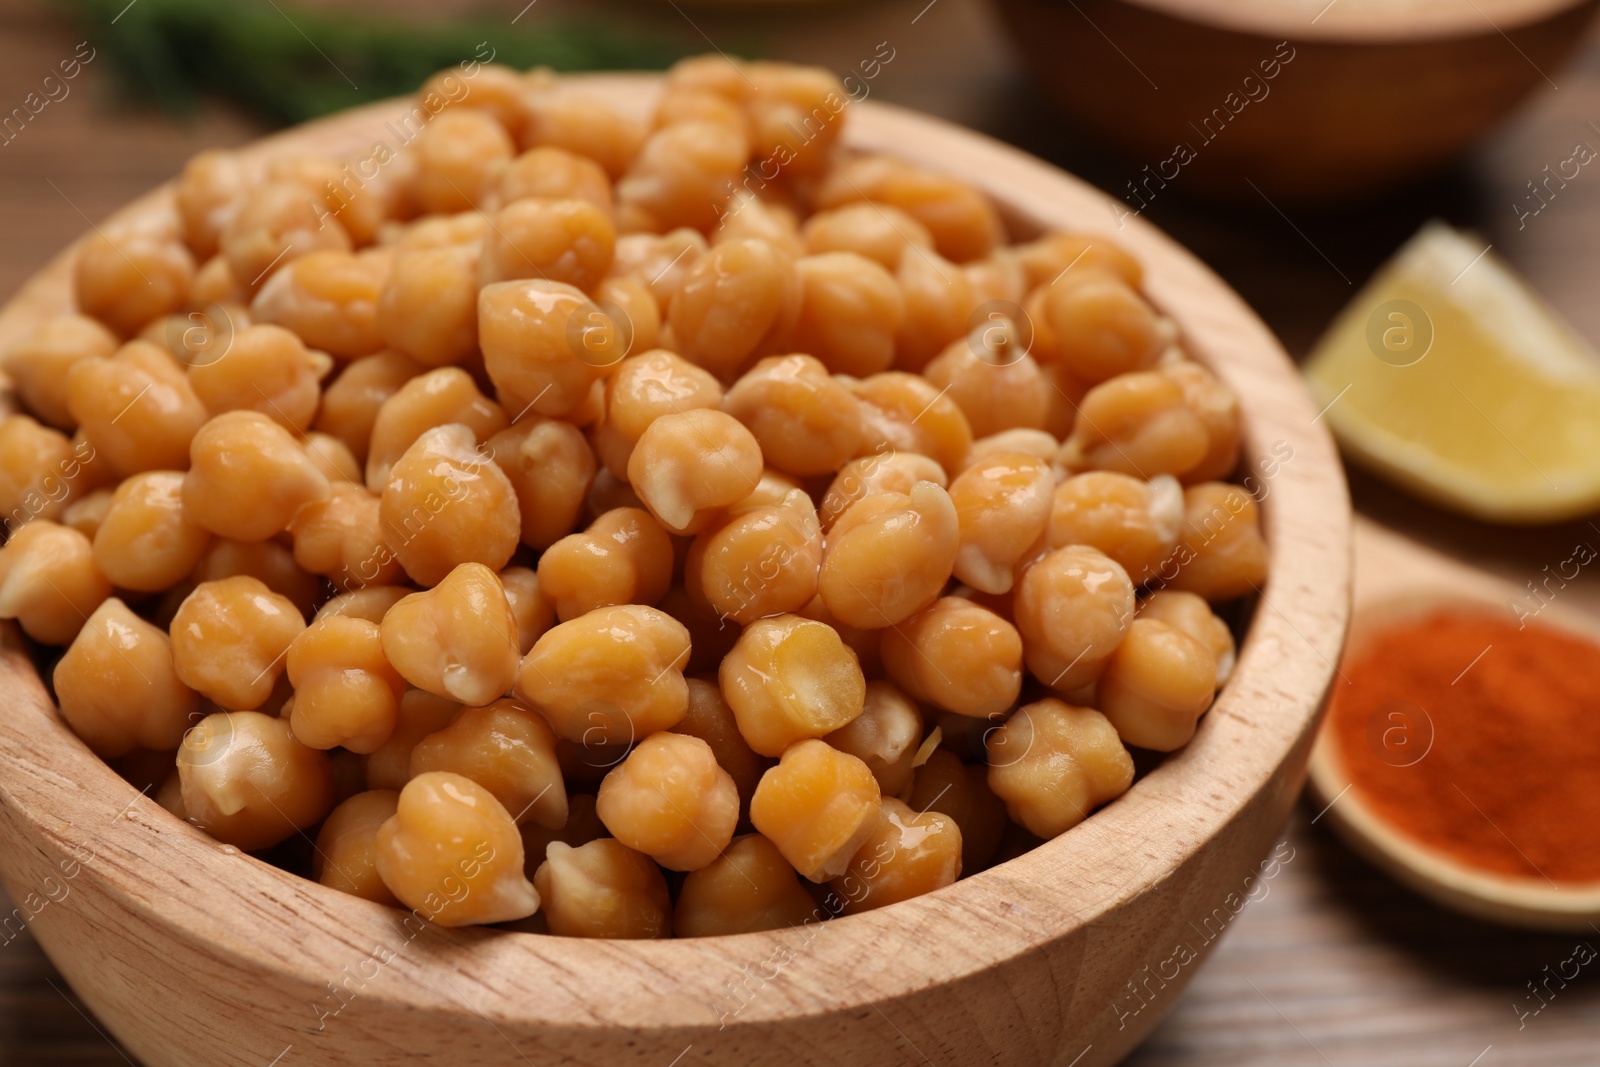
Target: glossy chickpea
[957, 655]
[555, 174]
[351, 402]
[614, 675]
[909, 853]
[510, 751]
[961, 790]
[117, 687]
[1218, 410]
[1047, 258]
[536, 344]
[247, 477]
[270, 562]
[1002, 504]
[1156, 685]
[642, 389]
[207, 194]
[1136, 424]
[880, 232]
[147, 542]
[889, 556]
[436, 398]
[345, 692]
[671, 801]
[329, 299]
[660, 262]
[1191, 614]
[682, 177]
[276, 223]
[583, 126]
[749, 888]
[452, 853]
[1134, 522]
[850, 311]
[49, 581]
[346, 856]
[603, 889]
[710, 719]
[964, 224]
[551, 467]
[229, 639]
[884, 736]
[994, 382]
[569, 241]
[88, 512]
[624, 557]
[634, 314]
[247, 782]
[40, 472]
[459, 154]
[446, 504]
[886, 470]
[428, 306]
[530, 608]
[736, 303]
[370, 602]
[686, 466]
[38, 364]
[265, 369]
[764, 560]
[421, 714]
[1053, 763]
[1220, 553]
[1072, 608]
[456, 640]
[818, 806]
[939, 305]
[908, 413]
[126, 278]
[1102, 327]
[136, 408]
[789, 678]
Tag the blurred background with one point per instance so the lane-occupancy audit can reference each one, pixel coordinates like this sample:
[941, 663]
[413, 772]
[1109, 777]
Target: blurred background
[1334, 964]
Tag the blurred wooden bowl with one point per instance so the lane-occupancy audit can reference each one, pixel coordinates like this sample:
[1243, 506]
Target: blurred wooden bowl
[197, 955]
[1363, 94]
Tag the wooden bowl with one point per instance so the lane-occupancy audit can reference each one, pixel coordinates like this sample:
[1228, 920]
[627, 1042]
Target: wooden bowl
[193, 953]
[1365, 94]
[1400, 581]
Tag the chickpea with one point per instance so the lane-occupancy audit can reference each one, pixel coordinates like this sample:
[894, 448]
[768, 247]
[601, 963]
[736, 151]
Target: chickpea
[789, 678]
[962, 792]
[747, 215]
[1072, 608]
[710, 719]
[276, 223]
[749, 888]
[882, 233]
[682, 177]
[720, 74]
[661, 262]
[763, 561]
[1102, 328]
[957, 655]
[555, 174]
[1134, 522]
[117, 687]
[38, 364]
[207, 193]
[496, 90]
[1065, 395]
[428, 306]
[247, 477]
[1136, 424]
[909, 853]
[551, 467]
[1156, 685]
[636, 315]
[49, 581]
[996, 386]
[1191, 614]
[345, 692]
[135, 408]
[147, 542]
[346, 856]
[351, 402]
[421, 714]
[585, 127]
[939, 302]
[537, 346]
[889, 556]
[214, 283]
[1048, 258]
[247, 782]
[229, 640]
[508, 750]
[370, 602]
[796, 115]
[998, 276]
[686, 466]
[818, 806]
[614, 675]
[88, 512]
[1218, 410]
[608, 492]
[40, 472]
[456, 640]
[446, 504]
[460, 154]
[1052, 763]
[885, 471]
[1220, 553]
[736, 303]
[339, 194]
[687, 103]
[268, 561]
[624, 557]
[530, 608]
[1003, 506]
[642, 389]
[884, 736]
[850, 311]
[436, 398]
[129, 277]
[908, 413]
[603, 889]
[964, 224]
[437, 231]
[329, 299]
[264, 369]
[451, 853]
[569, 241]
[671, 801]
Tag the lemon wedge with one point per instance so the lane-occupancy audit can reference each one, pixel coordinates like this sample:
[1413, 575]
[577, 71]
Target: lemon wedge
[1449, 376]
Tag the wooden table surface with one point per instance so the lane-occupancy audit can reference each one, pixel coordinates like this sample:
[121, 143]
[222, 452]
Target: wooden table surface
[1332, 965]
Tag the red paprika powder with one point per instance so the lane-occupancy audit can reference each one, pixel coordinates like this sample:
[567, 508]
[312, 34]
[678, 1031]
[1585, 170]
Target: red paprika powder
[1479, 738]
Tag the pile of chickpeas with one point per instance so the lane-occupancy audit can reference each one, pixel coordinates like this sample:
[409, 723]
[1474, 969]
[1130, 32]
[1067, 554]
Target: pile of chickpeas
[619, 528]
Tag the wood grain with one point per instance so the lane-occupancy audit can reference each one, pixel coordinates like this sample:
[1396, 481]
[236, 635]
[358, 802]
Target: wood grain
[194, 954]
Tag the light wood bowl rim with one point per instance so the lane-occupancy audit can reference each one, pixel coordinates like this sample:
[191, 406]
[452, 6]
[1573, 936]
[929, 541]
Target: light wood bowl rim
[1360, 22]
[250, 917]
